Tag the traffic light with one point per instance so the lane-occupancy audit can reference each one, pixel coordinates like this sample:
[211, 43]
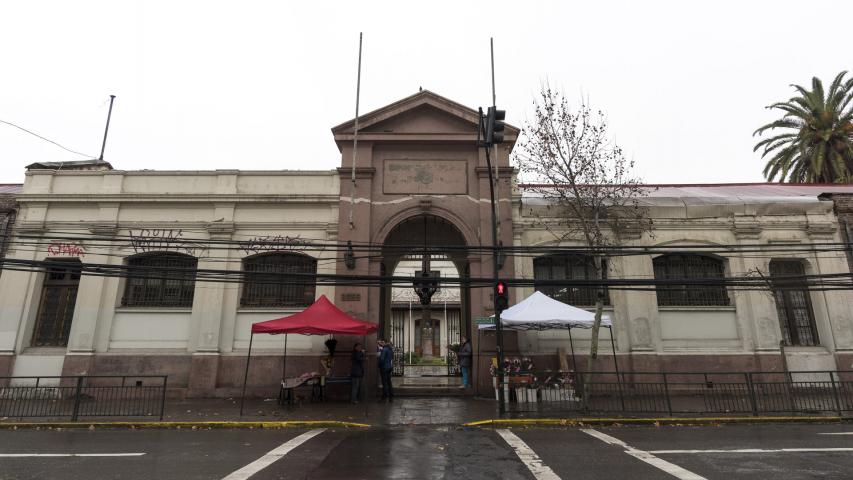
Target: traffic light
[495, 126]
[501, 296]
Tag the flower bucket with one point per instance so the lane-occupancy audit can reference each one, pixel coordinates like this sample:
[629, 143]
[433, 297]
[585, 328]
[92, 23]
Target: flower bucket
[567, 394]
[550, 394]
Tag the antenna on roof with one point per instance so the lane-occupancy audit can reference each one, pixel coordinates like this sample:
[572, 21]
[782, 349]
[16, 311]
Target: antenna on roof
[355, 136]
[107, 129]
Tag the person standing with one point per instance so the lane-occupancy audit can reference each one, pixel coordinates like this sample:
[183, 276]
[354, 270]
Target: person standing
[465, 354]
[356, 372]
[386, 366]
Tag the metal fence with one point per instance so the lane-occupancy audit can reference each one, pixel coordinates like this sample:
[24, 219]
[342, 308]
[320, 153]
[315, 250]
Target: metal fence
[83, 396]
[681, 393]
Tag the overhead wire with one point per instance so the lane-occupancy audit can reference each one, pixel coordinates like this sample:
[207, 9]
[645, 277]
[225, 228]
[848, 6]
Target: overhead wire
[91, 157]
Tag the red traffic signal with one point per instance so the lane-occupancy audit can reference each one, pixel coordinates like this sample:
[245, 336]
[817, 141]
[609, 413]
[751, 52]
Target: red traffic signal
[501, 296]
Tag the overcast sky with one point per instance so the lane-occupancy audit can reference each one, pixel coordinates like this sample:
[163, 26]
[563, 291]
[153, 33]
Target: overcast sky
[258, 85]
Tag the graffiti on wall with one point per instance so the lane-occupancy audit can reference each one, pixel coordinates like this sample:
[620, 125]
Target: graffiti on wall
[58, 248]
[272, 243]
[163, 239]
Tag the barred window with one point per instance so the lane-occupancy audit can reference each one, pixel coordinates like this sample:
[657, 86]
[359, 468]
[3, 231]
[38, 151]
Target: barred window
[267, 285]
[690, 267]
[793, 303]
[160, 280]
[58, 298]
[569, 267]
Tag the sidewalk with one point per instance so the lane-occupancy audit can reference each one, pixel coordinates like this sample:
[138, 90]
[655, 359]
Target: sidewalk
[403, 411]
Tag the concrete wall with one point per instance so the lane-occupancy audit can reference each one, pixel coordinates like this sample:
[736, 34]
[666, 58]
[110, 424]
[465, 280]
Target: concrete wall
[105, 210]
[745, 334]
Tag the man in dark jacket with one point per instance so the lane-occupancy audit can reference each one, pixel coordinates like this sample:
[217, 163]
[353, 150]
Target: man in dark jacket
[386, 366]
[465, 354]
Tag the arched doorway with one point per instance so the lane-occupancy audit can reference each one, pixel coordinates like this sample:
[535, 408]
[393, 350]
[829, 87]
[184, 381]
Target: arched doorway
[423, 335]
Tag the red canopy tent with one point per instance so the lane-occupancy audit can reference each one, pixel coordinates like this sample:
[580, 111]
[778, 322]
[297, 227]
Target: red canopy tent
[321, 318]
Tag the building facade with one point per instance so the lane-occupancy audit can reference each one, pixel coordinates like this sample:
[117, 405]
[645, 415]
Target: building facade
[416, 186]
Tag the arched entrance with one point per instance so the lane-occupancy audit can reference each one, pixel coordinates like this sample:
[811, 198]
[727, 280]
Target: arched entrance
[423, 334]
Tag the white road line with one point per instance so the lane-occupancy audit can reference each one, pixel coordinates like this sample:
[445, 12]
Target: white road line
[273, 455]
[835, 433]
[22, 455]
[670, 468]
[535, 464]
[756, 450]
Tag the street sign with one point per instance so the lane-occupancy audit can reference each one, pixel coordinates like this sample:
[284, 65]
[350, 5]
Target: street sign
[484, 320]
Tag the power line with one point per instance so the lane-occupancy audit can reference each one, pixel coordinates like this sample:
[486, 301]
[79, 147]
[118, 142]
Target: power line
[818, 282]
[47, 139]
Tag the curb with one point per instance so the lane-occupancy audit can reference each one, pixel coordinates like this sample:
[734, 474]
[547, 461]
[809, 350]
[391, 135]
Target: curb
[576, 422]
[180, 425]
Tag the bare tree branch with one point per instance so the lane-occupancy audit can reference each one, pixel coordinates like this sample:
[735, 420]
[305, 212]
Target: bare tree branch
[587, 181]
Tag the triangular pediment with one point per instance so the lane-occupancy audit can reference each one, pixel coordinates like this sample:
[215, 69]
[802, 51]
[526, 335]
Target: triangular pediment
[423, 113]
[422, 119]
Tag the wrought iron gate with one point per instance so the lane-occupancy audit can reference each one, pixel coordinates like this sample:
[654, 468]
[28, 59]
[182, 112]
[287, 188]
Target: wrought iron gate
[454, 332]
[398, 339]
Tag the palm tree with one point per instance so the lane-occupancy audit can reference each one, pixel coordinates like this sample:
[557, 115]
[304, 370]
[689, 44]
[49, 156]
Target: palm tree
[817, 146]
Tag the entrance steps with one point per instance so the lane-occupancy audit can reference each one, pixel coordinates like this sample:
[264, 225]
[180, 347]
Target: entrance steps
[427, 391]
[433, 386]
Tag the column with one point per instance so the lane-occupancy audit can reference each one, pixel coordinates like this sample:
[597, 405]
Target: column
[209, 308]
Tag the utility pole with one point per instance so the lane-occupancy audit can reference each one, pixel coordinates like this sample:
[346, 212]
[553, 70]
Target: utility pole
[355, 137]
[492, 127]
[107, 128]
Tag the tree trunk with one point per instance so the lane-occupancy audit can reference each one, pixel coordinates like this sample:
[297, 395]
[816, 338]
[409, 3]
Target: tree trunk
[596, 328]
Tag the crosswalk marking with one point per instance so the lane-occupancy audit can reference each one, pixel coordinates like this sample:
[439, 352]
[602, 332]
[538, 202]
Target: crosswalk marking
[24, 455]
[670, 468]
[755, 450]
[535, 464]
[273, 455]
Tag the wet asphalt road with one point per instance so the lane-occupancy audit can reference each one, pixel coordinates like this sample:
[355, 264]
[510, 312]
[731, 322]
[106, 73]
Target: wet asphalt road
[434, 452]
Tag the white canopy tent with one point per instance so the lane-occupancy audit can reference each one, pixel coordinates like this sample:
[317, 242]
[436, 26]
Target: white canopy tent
[541, 312]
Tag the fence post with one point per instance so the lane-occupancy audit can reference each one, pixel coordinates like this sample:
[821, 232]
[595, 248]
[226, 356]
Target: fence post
[163, 397]
[835, 392]
[666, 390]
[752, 401]
[77, 393]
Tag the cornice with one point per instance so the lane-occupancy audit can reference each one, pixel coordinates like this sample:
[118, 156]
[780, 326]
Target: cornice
[53, 198]
[42, 227]
[360, 172]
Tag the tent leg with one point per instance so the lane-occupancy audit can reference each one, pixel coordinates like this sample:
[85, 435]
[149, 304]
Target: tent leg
[246, 375]
[572, 349]
[613, 347]
[616, 366]
[284, 360]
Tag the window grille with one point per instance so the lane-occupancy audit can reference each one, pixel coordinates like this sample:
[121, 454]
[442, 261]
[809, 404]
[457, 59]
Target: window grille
[267, 285]
[160, 280]
[793, 303]
[56, 309]
[690, 267]
[569, 267]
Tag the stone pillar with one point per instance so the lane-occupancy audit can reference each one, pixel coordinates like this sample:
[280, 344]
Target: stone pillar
[837, 329]
[18, 290]
[79, 358]
[636, 320]
[209, 307]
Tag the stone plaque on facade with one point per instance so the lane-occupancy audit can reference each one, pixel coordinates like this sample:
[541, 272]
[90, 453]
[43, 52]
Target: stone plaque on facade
[426, 176]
